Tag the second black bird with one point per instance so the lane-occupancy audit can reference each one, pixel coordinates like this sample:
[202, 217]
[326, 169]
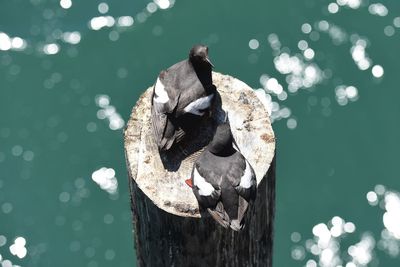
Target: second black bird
[223, 181]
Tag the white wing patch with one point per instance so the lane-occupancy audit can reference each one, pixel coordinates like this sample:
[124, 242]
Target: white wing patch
[235, 147]
[205, 188]
[198, 105]
[246, 181]
[160, 96]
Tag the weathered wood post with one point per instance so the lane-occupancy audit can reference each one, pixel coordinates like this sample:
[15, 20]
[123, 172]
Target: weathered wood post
[168, 228]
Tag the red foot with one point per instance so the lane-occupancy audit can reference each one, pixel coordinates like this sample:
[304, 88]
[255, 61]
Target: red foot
[189, 182]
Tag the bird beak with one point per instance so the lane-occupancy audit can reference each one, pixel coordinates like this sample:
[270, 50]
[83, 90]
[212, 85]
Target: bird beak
[209, 62]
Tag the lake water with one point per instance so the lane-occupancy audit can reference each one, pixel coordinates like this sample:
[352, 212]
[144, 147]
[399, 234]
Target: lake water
[70, 72]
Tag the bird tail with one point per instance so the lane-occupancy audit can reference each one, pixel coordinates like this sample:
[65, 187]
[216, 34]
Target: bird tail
[219, 214]
[238, 223]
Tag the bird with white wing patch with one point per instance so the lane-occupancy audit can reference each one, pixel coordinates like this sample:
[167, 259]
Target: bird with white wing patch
[223, 181]
[181, 96]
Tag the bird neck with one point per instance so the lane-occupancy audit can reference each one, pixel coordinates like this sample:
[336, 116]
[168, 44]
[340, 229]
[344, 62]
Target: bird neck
[222, 151]
[203, 71]
[200, 65]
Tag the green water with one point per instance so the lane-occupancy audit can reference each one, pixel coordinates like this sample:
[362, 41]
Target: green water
[64, 98]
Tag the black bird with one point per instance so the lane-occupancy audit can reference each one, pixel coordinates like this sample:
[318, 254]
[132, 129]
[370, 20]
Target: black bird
[223, 181]
[181, 96]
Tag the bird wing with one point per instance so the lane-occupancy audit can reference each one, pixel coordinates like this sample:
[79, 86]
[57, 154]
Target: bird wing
[207, 194]
[165, 100]
[243, 180]
[245, 184]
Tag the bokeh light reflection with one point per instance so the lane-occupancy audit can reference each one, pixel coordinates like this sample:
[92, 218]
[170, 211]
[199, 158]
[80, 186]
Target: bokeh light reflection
[333, 8]
[344, 94]
[329, 239]
[18, 248]
[11, 43]
[66, 4]
[51, 49]
[353, 4]
[378, 9]
[105, 178]
[103, 8]
[109, 111]
[377, 71]
[254, 44]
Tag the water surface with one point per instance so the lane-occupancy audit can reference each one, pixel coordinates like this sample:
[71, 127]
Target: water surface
[70, 72]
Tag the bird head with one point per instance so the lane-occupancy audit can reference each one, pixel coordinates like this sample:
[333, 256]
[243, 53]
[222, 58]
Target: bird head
[199, 55]
[221, 144]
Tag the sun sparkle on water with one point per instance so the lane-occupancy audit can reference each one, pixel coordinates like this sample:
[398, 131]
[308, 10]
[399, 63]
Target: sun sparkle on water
[328, 238]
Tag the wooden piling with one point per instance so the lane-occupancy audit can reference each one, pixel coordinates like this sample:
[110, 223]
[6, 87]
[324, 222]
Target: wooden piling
[168, 227]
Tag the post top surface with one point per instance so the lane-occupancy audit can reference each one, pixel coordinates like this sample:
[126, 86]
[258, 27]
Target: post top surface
[251, 129]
